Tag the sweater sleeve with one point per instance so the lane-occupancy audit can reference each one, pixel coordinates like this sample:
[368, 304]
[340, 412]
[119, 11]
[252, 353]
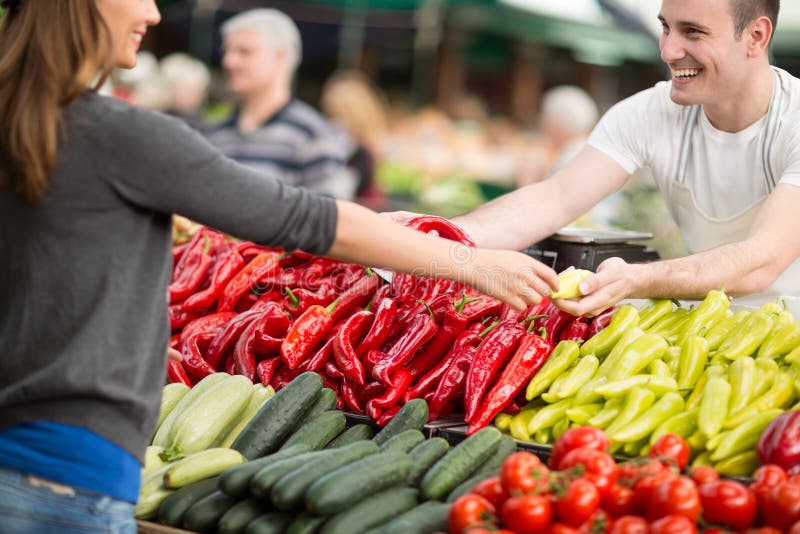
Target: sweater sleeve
[160, 164]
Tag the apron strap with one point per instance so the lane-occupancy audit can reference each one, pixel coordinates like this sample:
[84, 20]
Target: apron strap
[770, 132]
[686, 144]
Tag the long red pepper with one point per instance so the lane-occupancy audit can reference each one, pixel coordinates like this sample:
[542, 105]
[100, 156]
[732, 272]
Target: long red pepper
[228, 335]
[194, 246]
[227, 265]
[298, 301]
[177, 253]
[370, 391]
[453, 323]
[179, 318]
[196, 262]
[445, 228]
[284, 375]
[428, 382]
[317, 362]
[577, 330]
[553, 321]
[244, 355]
[350, 397]
[600, 321]
[485, 307]
[356, 296]
[263, 265]
[400, 382]
[270, 330]
[421, 330]
[192, 352]
[529, 357]
[348, 335]
[495, 349]
[378, 333]
[176, 373]
[305, 334]
[452, 383]
[387, 416]
[265, 369]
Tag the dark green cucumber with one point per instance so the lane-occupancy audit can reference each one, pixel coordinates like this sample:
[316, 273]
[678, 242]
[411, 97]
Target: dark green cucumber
[262, 482]
[271, 523]
[172, 509]
[457, 465]
[273, 423]
[424, 456]
[305, 523]
[235, 481]
[287, 493]
[356, 481]
[428, 517]
[204, 515]
[413, 415]
[355, 433]
[466, 486]
[319, 431]
[326, 400]
[236, 519]
[490, 467]
[404, 441]
[372, 511]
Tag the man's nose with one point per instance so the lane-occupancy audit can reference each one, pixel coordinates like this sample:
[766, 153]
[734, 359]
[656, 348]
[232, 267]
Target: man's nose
[671, 48]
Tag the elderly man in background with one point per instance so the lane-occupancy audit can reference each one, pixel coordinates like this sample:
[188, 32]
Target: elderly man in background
[270, 130]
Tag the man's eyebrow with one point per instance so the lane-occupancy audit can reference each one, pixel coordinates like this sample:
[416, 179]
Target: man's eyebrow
[684, 23]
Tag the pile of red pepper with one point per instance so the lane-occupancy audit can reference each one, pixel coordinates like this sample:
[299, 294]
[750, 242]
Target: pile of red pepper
[269, 315]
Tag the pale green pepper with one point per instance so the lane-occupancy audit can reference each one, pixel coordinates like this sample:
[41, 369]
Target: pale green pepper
[723, 330]
[543, 436]
[549, 415]
[634, 448]
[714, 406]
[660, 368]
[694, 355]
[697, 441]
[684, 425]
[637, 402]
[667, 406]
[637, 356]
[781, 394]
[669, 322]
[502, 421]
[563, 356]
[742, 375]
[624, 342]
[783, 339]
[581, 414]
[568, 282]
[654, 311]
[560, 427]
[518, 427]
[702, 460]
[605, 416]
[587, 393]
[740, 465]
[657, 384]
[708, 313]
[625, 317]
[766, 371]
[748, 337]
[569, 384]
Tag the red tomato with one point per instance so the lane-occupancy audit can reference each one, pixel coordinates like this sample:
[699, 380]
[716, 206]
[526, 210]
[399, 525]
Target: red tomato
[600, 468]
[492, 490]
[673, 524]
[599, 523]
[484, 530]
[630, 524]
[527, 514]
[630, 472]
[643, 489]
[795, 528]
[794, 479]
[674, 496]
[728, 502]
[703, 473]
[769, 475]
[575, 438]
[560, 528]
[470, 510]
[782, 506]
[578, 503]
[523, 472]
[619, 501]
[671, 448]
[764, 530]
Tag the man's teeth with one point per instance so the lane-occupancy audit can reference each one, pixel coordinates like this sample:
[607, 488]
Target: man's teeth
[685, 73]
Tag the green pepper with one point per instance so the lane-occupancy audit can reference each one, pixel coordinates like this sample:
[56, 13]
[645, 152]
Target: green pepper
[502, 421]
[549, 415]
[745, 435]
[518, 427]
[783, 339]
[723, 329]
[714, 406]
[581, 414]
[672, 357]
[714, 441]
[625, 317]
[569, 384]
[694, 398]
[638, 356]
[702, 460]
[793, 356]
[637, 401]
[708, 313]
[667, 406]
[694, 356]
[563, 356]
[657, 384]
[669, 321]
[624, 342]
[697, 441]
[742, 375]
[543, 436]
[560, 427]
[605, 416]
[684, 424]
[654, 311]
[748, 336]
[766, 371]
[587, 393]
[659, 367]
[779, 395]
[634, 448]
[740, 465]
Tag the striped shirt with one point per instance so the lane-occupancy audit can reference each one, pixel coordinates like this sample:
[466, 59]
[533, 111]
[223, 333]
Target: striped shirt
[296, 145]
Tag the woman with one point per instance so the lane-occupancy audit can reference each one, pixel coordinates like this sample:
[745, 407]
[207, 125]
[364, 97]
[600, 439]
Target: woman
[87, 187]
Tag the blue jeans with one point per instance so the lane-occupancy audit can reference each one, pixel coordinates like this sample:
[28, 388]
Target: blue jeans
[33, 506]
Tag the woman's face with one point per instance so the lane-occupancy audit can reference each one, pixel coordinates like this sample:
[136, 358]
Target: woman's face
[128, 20]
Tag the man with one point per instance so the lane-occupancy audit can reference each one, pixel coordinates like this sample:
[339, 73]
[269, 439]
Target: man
[270, 130]
[722, 141]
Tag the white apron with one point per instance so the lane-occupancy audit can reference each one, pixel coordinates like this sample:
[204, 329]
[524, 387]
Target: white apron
[702, 232]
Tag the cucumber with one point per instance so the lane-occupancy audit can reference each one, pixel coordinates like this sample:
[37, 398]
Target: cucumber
[287, 493]
[204, 515]
[413, 415]
[262, 482]
[353, 482]
[271, 523]
[319, 431]
[424, 456]
[166, 430]
[174, 507]
[428, 517]
[466, 486]
[355, 433]
[492, 466]
[170, 397]
[209, 416]
[260, 396]
[235, 481]
[200, 465]
[268, 429]
[326, 400]
[372, 511]
[236, 519]
[458, 464]
[404, 441]
[305, 523]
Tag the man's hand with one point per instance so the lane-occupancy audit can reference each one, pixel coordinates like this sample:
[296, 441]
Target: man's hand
[173, 355]
[613, 282]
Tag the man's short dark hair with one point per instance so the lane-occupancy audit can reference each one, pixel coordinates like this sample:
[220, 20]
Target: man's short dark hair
[746, 11]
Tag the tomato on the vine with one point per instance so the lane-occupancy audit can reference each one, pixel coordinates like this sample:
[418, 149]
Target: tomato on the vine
[643, 489]
[580, 500]
[576, 438]
[619, 501]
[770, 475]
[527, 514]
[523, 472]
[672, 448]
[561, 528]
[728, 502]
[673, 524]
[782, 506]
[629, 524]
[470, 510]
[702, 474]
[598, 467]
[674, 496]
[492, 490]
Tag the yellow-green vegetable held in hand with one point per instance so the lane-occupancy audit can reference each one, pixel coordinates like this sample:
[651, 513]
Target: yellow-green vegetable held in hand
[568, 282]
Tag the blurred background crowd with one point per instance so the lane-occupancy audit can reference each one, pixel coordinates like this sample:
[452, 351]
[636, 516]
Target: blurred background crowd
[424, 105]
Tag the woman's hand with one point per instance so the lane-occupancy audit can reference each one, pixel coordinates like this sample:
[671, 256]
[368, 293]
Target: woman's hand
[173, 355]
[513, 277]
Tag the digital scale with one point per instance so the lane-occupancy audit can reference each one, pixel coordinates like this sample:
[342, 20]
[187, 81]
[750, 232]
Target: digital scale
[586, 248]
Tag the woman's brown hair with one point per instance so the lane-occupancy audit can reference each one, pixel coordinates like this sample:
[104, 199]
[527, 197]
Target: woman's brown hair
[50, 52]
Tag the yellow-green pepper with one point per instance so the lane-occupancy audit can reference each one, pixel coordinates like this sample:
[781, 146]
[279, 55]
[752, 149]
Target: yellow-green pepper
[706, 315]
[741, 465]
[684, 425]
[667, 406]
[568, 384]
[638, 356]
[694, 356]
[625, 317]
[742, 375]
[654, 311]
[714, 406]
[563, 356]
[748, 336]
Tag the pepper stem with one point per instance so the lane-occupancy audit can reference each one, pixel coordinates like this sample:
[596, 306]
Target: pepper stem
[293, 299]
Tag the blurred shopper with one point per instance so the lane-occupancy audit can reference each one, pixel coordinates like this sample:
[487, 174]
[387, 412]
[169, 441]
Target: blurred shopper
[270, 130]
[87, 186]
[721, 141]
[188, 80]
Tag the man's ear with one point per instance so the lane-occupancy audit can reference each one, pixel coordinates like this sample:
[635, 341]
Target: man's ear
[758, 34]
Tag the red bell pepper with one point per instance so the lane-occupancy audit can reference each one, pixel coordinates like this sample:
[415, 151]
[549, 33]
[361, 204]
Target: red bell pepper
[227, 336]
[429, 381]
[229, 262]
[529, 357]
[493, 352]
[350, 397]
[577, 330]
[779, 443]
[176, 373]
[452, 383]
[305, 334]
[356, 296]
[421, 330]
[265, 369]
[270, 329]
[452, 325]
[348, 335]
[260, 267]
[378, 333]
